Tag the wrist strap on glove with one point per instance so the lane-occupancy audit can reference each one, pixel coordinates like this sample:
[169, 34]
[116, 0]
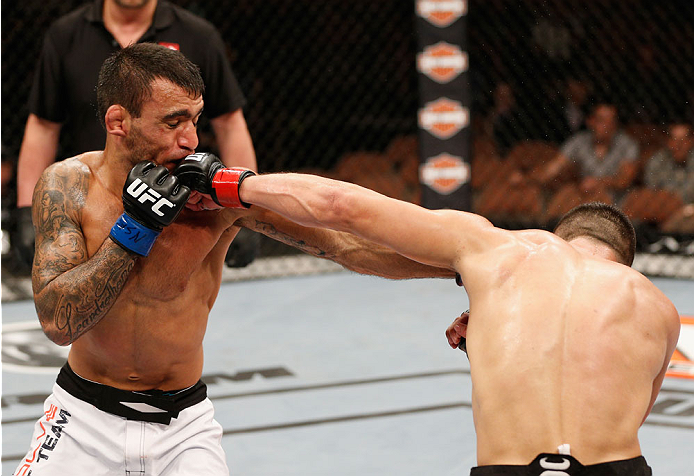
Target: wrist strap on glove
[133, 235]
[225, 187]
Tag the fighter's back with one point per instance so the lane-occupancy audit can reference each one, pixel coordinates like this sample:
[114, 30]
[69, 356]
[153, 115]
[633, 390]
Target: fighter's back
[599, 334]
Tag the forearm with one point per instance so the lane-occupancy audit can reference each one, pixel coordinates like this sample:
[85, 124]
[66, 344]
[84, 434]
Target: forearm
[304, 199]
[234, 140]
[37, 152]
[76, 300]
[370, 258]
[350, 251]
[425, 236]
[556, 169]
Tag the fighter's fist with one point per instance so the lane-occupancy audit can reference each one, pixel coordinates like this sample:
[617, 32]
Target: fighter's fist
[152, 196]
[152, 199]
[457, 332]
[197, 171]
[206, 173]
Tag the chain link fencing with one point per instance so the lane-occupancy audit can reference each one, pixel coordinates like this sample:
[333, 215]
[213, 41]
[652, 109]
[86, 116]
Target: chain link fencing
[332, 90]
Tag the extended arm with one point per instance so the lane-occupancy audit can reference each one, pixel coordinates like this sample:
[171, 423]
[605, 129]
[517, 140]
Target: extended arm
[441, 238]
[350, 251]
[72, 292]
[559, 169]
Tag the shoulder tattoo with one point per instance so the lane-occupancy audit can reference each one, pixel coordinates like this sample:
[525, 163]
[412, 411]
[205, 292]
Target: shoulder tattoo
[59, 198]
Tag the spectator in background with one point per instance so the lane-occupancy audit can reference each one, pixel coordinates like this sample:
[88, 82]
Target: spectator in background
[63, 95]
[672, 167]
[597, 164]
[667, 199]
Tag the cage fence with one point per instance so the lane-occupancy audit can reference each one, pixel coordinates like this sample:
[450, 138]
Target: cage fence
[332, 90]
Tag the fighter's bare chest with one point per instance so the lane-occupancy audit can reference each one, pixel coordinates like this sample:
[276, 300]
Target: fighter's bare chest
[181, 249]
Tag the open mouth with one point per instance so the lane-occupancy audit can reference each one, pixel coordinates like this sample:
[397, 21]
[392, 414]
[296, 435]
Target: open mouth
[172, 164]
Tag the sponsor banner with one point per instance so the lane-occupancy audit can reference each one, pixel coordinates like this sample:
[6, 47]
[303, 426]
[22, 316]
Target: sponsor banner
[444, 98]
[444, 118]
[441, 13]
[442, 62]
[444, 173]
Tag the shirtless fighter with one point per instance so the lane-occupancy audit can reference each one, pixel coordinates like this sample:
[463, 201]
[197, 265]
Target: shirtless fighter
[568, 345]
[127, 275]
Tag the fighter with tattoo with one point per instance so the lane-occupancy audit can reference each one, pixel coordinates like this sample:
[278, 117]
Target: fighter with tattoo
[128, 265]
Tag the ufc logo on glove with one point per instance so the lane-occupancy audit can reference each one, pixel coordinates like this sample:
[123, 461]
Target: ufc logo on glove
[152, 199]
[140, 189]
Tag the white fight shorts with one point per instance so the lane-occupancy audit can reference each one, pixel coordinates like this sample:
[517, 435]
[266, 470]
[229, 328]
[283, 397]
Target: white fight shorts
[77, 438]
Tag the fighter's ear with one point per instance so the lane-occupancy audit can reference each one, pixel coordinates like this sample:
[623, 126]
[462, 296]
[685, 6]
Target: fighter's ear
[117, 120]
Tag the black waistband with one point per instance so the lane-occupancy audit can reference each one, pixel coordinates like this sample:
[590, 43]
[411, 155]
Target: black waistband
[160, 406]
[546, 463]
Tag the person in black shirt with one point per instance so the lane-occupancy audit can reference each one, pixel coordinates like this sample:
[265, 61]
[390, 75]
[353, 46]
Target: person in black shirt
[63, 95]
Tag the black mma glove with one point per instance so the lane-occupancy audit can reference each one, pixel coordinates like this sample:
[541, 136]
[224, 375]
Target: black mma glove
[152, 199]
[22, 240]
[207, 174]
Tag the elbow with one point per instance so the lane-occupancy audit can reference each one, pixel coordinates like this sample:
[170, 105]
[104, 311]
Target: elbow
[57, 335]
[340, 206]
[61, 341]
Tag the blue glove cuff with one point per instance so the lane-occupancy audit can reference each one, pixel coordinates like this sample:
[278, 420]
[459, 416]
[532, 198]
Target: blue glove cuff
[133, 235]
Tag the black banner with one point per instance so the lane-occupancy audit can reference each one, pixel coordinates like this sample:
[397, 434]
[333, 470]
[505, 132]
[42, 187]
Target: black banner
[444, 104]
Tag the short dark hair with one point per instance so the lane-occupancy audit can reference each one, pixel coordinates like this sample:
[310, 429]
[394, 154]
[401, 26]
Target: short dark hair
[126, 76]
[602, 222]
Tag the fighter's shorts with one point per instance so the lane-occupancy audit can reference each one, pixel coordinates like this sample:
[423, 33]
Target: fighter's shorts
[546, 464]
[88, 428]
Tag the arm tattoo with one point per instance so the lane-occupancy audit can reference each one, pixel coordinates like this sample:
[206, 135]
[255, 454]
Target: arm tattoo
[72, 292]
[84, 297]
[270, 230]
[350, 251]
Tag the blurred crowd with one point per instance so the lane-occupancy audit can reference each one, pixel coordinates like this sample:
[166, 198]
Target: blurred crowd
[645, 168]
[519, 180]
[571, 102]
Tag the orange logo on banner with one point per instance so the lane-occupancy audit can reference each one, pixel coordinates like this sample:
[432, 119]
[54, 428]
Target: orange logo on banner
[682, 362]
[442, 62]
[441, 13]
[444, 173]
[444, 117]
